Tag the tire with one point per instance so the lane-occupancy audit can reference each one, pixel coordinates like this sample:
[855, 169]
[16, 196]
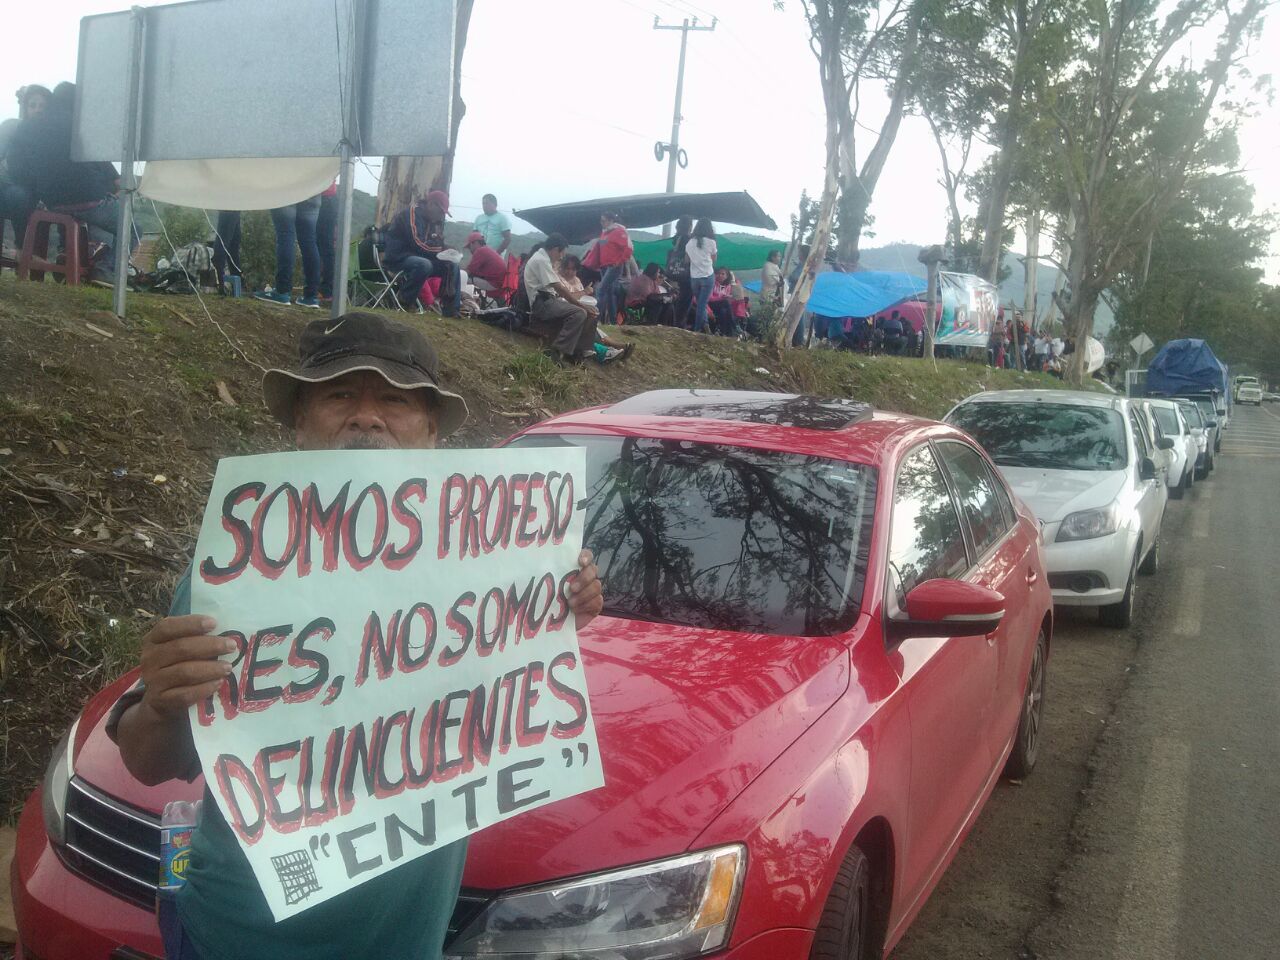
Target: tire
[844, 931]
[1120, 615]
[1209, 464]
[1026, 743]
[1151, 562]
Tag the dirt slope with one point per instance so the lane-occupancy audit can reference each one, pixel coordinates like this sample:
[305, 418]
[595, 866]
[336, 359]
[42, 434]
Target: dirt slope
[109, 433]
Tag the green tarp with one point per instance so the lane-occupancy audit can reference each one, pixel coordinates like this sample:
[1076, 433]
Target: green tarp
[735, 253]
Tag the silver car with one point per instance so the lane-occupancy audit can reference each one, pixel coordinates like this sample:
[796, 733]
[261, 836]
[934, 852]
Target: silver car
[1170, 422]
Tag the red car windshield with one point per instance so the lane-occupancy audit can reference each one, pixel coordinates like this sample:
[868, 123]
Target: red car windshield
[725, 538]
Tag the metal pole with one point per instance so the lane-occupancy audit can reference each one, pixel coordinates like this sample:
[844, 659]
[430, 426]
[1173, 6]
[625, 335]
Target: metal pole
[346, 175]
[675, 115]
[673, 155]
[128, 181]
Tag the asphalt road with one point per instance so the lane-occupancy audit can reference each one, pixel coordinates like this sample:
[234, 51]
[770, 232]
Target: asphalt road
[1151, 827]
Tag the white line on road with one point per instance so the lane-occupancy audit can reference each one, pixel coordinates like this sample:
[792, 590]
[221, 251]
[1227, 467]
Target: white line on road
[1190, 601]
[1149, 912]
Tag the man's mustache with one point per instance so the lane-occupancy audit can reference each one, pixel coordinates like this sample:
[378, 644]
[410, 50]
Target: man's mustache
[365, 441]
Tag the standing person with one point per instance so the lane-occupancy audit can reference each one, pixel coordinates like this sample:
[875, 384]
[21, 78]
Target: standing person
[414, 242]
[995, 342]
[296, 227]
[614, 250]
[364, 382]
[678, 271]
[701, 254]
[495, 225]
[226, 247]
[326, 227]
[771, 278]
[554, 304]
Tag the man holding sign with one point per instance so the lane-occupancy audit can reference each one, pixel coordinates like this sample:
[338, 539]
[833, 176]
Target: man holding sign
[383, 659]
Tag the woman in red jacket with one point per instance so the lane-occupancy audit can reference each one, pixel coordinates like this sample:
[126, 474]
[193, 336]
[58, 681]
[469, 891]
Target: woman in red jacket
[614, 249]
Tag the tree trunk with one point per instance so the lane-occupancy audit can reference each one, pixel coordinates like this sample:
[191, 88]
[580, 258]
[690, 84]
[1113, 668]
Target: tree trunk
[1032, 272]
[931, 310]
[405, 179]
[1006, 160]
[857, 189]
[795, 309]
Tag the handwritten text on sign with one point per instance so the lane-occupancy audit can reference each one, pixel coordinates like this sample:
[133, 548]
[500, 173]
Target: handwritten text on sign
[407, 669]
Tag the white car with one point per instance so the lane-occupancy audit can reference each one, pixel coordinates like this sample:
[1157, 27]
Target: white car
[1249, 392]
[1170, 422]
[1202, 434]
[1087, 466]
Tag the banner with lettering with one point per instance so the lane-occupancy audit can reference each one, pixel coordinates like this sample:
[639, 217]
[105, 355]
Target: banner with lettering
[407, 669]
[969, 309]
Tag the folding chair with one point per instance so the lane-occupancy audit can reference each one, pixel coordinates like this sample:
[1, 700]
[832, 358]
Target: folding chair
[370, 283]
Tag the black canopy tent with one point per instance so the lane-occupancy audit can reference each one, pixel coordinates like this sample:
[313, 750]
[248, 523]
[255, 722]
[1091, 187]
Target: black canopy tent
[580, 221]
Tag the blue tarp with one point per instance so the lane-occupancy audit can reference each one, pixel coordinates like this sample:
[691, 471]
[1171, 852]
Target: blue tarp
[1186, 366]
[861, 294]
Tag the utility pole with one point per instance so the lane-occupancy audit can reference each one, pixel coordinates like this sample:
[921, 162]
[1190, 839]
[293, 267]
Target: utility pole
[676, 156]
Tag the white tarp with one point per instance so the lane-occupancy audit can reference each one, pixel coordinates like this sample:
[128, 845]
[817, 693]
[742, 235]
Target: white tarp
[238, 184]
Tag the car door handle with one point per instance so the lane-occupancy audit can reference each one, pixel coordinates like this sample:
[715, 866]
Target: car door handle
[1032, 577]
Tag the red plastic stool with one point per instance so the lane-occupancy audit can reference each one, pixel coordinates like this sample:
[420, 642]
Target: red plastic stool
[34, 262]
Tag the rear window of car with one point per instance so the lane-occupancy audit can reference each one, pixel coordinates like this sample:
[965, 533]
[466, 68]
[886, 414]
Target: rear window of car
[726, 538]
[1168, 420]
[1051, 436]
[1192, 413]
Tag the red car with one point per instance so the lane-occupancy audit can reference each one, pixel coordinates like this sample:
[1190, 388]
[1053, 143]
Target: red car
[826, 637]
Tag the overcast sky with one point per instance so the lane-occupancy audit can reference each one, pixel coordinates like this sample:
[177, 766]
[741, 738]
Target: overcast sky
[565, 99]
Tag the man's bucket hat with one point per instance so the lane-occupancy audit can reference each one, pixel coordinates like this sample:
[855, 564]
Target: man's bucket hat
[331, 348]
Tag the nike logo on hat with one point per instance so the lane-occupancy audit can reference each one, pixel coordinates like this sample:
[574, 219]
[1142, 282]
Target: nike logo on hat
[329, 330]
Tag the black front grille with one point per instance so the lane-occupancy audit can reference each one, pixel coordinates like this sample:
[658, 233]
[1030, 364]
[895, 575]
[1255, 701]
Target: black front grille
[113, 844]
[117, 847]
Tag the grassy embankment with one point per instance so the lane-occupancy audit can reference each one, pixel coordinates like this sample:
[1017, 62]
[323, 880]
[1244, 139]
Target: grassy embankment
[109, 433]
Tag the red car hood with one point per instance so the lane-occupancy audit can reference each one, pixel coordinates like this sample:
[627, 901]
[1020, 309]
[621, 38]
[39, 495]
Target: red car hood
[685, 719]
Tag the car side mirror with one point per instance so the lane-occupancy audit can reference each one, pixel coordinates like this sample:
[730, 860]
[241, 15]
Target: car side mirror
[1147, 469]
[949, 608]
[1210, 424]
[1165, 443]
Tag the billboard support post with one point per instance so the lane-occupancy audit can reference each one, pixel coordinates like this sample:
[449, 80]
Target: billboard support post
[346, 176]
[128, 179]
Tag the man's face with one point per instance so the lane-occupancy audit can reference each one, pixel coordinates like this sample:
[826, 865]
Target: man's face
[489, 205]
[362, 411]
[36, 103]
[555, 253]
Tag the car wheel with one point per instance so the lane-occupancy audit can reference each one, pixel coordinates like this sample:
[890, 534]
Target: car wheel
[1026, 745]
[1151, 562]
[844, 932]
[1209, 464]
[1120, 615]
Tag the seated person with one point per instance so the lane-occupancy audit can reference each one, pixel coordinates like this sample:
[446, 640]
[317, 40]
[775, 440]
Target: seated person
[488, 270]
[570, 270]
[741, 303]
[17, 201]
[414, 242]
[607, 349]
[39, 160]
[913, 338]
[647, 290]
[721, 304]
[892, 338]
[553, 304]
[862, 334]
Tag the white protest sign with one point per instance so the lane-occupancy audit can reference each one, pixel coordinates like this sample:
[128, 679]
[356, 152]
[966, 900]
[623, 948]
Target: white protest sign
[407, 669]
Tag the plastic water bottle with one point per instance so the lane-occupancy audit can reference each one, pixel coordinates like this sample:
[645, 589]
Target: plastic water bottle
[177, 823]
